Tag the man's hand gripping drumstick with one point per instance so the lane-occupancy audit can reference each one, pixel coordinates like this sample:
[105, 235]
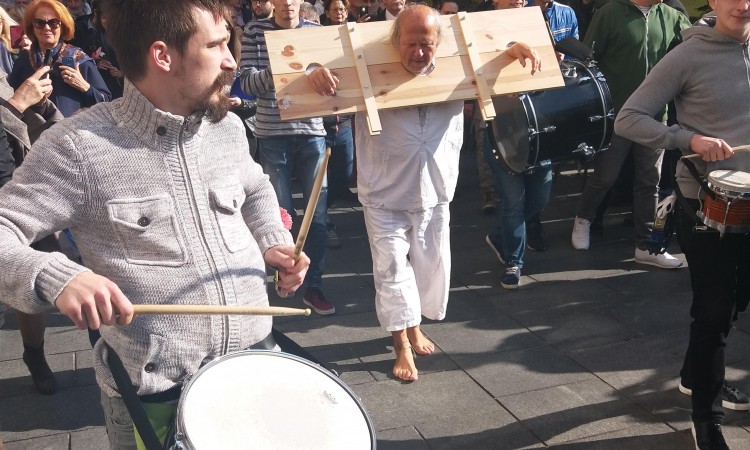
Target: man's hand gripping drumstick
[712, 149]
[281, 283]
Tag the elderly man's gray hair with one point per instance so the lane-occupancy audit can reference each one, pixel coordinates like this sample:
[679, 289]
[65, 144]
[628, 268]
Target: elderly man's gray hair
[410, 11]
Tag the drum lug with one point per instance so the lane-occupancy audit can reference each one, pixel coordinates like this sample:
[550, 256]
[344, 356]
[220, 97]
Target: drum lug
[585, 150]
[596, 118]
[548, 129]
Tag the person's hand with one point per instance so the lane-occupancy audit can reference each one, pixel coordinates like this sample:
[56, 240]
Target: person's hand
[24, 43]
[72, 76]
[103, 64]
[35, 89]
[323, 81]
[710, 149]
[234, 102]
[115, 72]
[90, 300]
[291, 273]
[363, 18]
[522, 52]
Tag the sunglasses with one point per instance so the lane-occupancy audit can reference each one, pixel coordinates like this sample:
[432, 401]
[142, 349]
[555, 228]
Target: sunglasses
[40, 24]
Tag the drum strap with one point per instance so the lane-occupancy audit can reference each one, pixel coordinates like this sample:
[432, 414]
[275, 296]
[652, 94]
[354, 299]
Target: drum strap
[132, 402]
[700, 179]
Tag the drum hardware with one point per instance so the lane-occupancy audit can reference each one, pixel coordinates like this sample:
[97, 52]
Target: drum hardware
[549, 129]
[585, 150]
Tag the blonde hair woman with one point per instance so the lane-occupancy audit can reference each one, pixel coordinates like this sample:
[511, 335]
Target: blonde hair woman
[6, 50]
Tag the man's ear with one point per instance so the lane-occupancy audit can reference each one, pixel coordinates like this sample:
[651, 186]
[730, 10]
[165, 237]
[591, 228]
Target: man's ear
[160, 56]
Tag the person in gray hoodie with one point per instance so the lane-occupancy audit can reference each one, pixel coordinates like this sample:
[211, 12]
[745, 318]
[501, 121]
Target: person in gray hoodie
[712, 120]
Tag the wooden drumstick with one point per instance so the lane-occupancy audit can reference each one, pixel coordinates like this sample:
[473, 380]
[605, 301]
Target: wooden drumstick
[739, 148]
[220, 310]
[312, 202]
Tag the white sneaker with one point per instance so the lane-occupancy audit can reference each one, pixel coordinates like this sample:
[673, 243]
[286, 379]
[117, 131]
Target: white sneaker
[663, 260]
[581, 234]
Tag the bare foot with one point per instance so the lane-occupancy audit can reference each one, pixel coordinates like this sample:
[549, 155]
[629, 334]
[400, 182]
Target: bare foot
[419, 341]
[404, 368]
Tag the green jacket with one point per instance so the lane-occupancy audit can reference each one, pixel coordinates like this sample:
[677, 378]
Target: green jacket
[628, 44]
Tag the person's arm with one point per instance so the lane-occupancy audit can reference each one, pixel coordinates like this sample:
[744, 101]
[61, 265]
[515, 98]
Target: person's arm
[256, 77]
[636, 121]
[7, 162]
[45, 195]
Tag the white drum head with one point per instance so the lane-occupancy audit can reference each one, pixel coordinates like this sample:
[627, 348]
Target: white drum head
[730, 180]
[270, 400]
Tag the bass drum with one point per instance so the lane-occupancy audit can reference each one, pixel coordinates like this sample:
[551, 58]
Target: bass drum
[556, 125]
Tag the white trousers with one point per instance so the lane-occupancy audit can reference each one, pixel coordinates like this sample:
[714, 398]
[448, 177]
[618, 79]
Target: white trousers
[408, 288]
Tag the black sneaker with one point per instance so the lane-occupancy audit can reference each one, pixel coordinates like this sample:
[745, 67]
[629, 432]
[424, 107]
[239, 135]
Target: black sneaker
[731, 397]
[534, 237]
[334, 241]
[708, 436]
[41, 374]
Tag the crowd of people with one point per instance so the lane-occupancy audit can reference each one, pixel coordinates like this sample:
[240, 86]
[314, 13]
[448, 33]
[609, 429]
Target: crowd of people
[134, 91]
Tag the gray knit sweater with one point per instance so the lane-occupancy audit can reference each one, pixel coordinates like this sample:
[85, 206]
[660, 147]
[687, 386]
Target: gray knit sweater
[172, 209]
[708, 76]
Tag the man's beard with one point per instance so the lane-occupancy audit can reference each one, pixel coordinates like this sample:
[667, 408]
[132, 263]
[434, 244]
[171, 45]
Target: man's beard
[217, 109]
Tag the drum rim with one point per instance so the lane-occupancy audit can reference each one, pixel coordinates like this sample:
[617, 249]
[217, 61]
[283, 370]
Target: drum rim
[714, 183]
[179, 426]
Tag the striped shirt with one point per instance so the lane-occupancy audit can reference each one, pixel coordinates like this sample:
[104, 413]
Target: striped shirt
[256, 79]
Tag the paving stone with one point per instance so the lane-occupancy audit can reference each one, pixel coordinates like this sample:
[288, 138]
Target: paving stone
[508, 373]
[497, 333]
[31, 415]
[637, 437]
[592, 293]
[57, 441]
[640, 365]
[492, 431]
[434, 396]
[573, 327]
[405, 438]
[16, 379]
[573, 411]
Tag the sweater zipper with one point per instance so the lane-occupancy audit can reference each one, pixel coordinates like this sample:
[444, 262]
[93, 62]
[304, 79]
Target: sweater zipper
[204, 242]
[746, 57]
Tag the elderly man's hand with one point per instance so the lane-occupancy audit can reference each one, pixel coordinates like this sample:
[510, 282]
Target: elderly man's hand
[32, 91]
[522, 52]
[322, 80]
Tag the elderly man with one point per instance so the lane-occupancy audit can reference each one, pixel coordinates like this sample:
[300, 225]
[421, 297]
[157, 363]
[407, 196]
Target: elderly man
[165, 204]
[406, 179]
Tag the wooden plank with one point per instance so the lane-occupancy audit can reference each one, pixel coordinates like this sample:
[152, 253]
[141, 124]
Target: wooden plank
[483, 91]
[291, 51]
[365, 85]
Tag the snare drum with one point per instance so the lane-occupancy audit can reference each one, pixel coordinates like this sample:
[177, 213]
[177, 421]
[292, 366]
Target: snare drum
[556, 125]
[729, 211]
[269, 400]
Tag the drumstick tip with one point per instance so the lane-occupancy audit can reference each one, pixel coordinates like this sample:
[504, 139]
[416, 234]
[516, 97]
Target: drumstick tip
[307, 311]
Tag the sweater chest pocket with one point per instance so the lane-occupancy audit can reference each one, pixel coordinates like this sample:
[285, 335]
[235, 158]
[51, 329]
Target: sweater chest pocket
[147, 229]
[227, 204]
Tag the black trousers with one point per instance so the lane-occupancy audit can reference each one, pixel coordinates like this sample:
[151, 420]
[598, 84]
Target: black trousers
[720, 278]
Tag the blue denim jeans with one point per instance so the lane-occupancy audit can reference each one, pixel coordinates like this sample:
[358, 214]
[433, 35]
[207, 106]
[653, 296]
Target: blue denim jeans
[522, 196]
[282, 156]
[341, 164]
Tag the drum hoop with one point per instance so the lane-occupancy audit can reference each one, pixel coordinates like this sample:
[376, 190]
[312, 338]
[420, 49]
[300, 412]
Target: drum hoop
[603, 98]
[536, 138]
[180, 425]
[725, 191]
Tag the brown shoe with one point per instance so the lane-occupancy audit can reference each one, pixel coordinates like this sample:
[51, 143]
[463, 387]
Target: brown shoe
[315, 299]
